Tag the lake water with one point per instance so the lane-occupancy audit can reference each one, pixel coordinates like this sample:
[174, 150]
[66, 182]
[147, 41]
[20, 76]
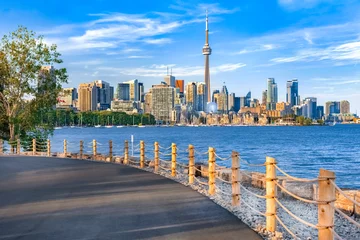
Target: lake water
[301, 151]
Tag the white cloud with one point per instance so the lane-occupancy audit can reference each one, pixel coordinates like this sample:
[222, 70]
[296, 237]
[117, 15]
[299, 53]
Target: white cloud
[260, 48]
[139, 56]
[160, 70]
[300, 4]
[158, 41]
[200, 9]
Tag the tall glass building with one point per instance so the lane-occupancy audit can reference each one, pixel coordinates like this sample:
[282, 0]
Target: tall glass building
[272, 94]
[292, 92]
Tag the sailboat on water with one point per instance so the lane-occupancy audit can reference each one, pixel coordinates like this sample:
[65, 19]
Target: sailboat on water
[109, 126]
[98, 125]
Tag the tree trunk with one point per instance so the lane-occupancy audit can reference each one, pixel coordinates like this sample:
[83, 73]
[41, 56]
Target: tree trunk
[12, 136]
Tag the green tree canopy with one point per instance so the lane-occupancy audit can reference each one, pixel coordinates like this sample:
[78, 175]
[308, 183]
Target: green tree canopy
[30, 81]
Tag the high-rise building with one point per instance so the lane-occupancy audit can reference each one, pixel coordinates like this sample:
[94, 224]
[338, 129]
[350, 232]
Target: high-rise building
[162, 100]
[215, 93]
[191, 96]
[180, 85]
[344, 107]
[272, 94]
[320, 112]
[133, 90]
[242, 102]
[231, 102]
[148, 101]
[201, 96]
[237, 104]
[123, 91]
[332, 107]
[170, 80]
[292, 92]
[223, 100]
[207, 52]
[111, 93]
[264, 96]
[103, 94]
[141, 92]
[87, 93]
[310, 111]
[248, 99]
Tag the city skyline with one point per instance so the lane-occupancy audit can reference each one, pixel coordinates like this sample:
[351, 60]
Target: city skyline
[322, 52]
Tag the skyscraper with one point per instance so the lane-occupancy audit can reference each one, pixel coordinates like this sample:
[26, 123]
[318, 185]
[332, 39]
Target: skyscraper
[134, 89]
[123, 91]
[223, 101]
[141, 92]
[170, 80]
[272, 94]
[332, 107]
[191, 96]
[264, 96]
[180, 85]
[310, 111]
[103, 94]
[292, 92]
[215, 93]
[344, 106]
[207, 52]
[248, 99]
[231, 101]
[162, 101]
[201, 97]
[87, 97]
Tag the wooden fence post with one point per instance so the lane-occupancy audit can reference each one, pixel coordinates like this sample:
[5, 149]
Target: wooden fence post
[325, 211]
[81, 149]
[156, 157]
[18, 146]
[94, 149]
[235, 185]
[34, 146]
[126, 152]
[191, 164]
[48, 148]
[65, 148]
[211, 171]
[1, 146]
[111, 150]
[173, 160]
[271, 193]
[142, 153]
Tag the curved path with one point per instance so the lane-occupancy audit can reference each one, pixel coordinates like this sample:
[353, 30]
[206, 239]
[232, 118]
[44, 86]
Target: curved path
[54, 198]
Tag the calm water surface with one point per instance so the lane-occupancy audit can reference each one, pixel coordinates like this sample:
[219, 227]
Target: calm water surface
[301, 151]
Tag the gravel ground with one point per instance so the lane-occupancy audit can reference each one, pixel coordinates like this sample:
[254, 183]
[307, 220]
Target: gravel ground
[256, 221]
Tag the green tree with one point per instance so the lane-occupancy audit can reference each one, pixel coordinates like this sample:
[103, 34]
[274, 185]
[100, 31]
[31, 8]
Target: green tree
[29, 90]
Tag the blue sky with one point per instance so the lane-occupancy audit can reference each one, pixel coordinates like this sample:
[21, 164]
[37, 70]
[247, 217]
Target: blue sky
[315, 41]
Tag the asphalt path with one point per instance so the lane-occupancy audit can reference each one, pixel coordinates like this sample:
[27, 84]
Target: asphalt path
[55, 198]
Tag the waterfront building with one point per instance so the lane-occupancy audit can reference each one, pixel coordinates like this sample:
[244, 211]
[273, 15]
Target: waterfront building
[310, 110]
[87, 97]
[223, 104]
[254, 103]
[103, 94]
[332, 107]
[66, 98]
[191, 96]
[207, 52]
[248, 99]
[237, 104]
[201, 96]
[272, 94]
[170, 80]
[215, 95]
[344, 107]
[148, 102]
[133, 90]
[123, 91]
[162, 99]
[320, 112]
[180, 85]
[231, 102]
[141, 92]
[126, 106]
[264, 97]
[292, 92]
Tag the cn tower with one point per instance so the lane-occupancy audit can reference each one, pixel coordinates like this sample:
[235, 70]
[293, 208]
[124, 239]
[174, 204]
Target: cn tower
[207, 52]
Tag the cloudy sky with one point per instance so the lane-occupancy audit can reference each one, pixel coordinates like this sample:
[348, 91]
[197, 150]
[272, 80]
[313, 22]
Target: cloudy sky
[315, 41]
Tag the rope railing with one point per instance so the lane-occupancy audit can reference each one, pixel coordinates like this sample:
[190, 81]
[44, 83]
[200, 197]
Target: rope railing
[335, 234]
[165, 148]
[222, 180]
[221, 158]
[286, 228]
[253, 209]
[200, 182]
[254, 194]
[251, 164]
[344, 194]
[295, 178]
[295, 196]
[345, 216]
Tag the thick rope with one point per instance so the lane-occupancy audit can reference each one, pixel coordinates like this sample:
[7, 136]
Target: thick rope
[196, 169]
[335, 234]
[254, 194]
[218, 190]
[251, 177]
[203, 183]
[345, 216]
[294, 216]
[285, 227]
[167, 161]
[218, 178]
[163, 168]
[133, 161]
[295, 178]
[294, 195]
[199, 153]
[223, 159]
[344, 194]
[165, 147]
[165, 154]
[181, 165]
[252, 165]
[255, 210]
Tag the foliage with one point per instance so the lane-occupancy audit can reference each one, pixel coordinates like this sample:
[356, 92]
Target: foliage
[70, 117]
[27, 88]
[303, 121]
[320, 122]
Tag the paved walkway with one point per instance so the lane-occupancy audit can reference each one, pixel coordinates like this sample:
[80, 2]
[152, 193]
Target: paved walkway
[50, 198]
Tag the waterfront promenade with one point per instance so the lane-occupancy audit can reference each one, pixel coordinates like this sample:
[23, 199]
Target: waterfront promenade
[57, 198]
